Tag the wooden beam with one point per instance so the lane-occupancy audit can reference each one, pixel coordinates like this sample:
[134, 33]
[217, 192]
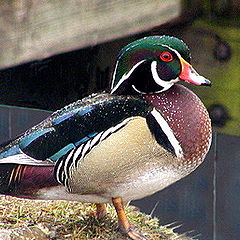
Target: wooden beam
[32, 29]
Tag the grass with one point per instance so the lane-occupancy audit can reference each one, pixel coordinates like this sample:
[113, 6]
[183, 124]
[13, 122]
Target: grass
[31, 219]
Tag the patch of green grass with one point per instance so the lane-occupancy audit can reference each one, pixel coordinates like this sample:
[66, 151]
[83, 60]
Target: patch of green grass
[72, 220]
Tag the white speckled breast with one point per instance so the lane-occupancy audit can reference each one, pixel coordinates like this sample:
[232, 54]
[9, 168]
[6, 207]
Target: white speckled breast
[189, 120]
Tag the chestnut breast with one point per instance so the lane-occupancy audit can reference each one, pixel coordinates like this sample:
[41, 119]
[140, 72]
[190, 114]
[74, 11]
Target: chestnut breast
[189, 120]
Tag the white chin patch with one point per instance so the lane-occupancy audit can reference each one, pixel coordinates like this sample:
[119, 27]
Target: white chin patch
[165, 84]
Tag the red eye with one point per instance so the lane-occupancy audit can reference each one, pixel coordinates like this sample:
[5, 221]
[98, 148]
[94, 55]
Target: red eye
[166, 56]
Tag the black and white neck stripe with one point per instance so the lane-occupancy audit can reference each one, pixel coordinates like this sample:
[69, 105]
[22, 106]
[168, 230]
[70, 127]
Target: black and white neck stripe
[163, 133]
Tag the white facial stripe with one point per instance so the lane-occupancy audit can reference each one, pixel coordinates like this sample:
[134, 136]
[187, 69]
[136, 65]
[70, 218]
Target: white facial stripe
[168, 132]
[165, 84]
[193, 75]
[125, 76]
[114, 74]
[135, 89]
[175, 51]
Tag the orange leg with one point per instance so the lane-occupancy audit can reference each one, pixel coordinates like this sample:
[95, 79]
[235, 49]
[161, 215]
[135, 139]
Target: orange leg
[101, 210]
[123, 222]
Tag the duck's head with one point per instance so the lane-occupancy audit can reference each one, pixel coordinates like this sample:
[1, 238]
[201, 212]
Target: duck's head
[152, 65]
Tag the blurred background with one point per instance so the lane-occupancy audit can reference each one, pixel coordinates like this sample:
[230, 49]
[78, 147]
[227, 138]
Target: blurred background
[54, 52]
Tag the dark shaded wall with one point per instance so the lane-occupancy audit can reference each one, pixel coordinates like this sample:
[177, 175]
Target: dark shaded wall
[49, 83]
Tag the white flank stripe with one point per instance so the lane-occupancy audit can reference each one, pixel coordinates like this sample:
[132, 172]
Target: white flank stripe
[85, 148]
[124, 77]
[115, 128]
[168, 132]
[66, 162]
[62, 173]
[76, 155]
[95, 139]
[106, 133]
[82, 150]
[57, 172]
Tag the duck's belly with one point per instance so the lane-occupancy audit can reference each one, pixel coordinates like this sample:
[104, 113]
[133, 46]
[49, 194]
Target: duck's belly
[145, 185]
[138, 188]
[128, 164]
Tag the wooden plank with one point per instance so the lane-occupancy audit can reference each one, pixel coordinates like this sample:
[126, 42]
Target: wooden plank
[33, 29]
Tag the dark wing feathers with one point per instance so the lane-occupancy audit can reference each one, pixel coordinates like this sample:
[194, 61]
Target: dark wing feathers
[73, 125]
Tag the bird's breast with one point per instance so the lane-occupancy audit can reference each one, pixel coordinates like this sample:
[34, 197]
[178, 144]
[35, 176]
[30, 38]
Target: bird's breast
[189, 120]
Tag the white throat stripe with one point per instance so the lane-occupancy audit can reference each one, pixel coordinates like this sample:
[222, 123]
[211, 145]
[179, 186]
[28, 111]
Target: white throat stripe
[165, 84]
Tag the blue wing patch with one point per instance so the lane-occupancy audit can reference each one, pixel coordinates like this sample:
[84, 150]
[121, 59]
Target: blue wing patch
[13, 150]
[62, 118]
[28, 139]
[62, 152]
[85, 139]
[68, 115]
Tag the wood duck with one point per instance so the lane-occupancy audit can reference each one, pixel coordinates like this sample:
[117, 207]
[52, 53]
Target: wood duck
[144, 135]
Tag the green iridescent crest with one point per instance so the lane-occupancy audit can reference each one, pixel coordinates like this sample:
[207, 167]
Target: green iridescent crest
[147, 49]
[153, 42]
